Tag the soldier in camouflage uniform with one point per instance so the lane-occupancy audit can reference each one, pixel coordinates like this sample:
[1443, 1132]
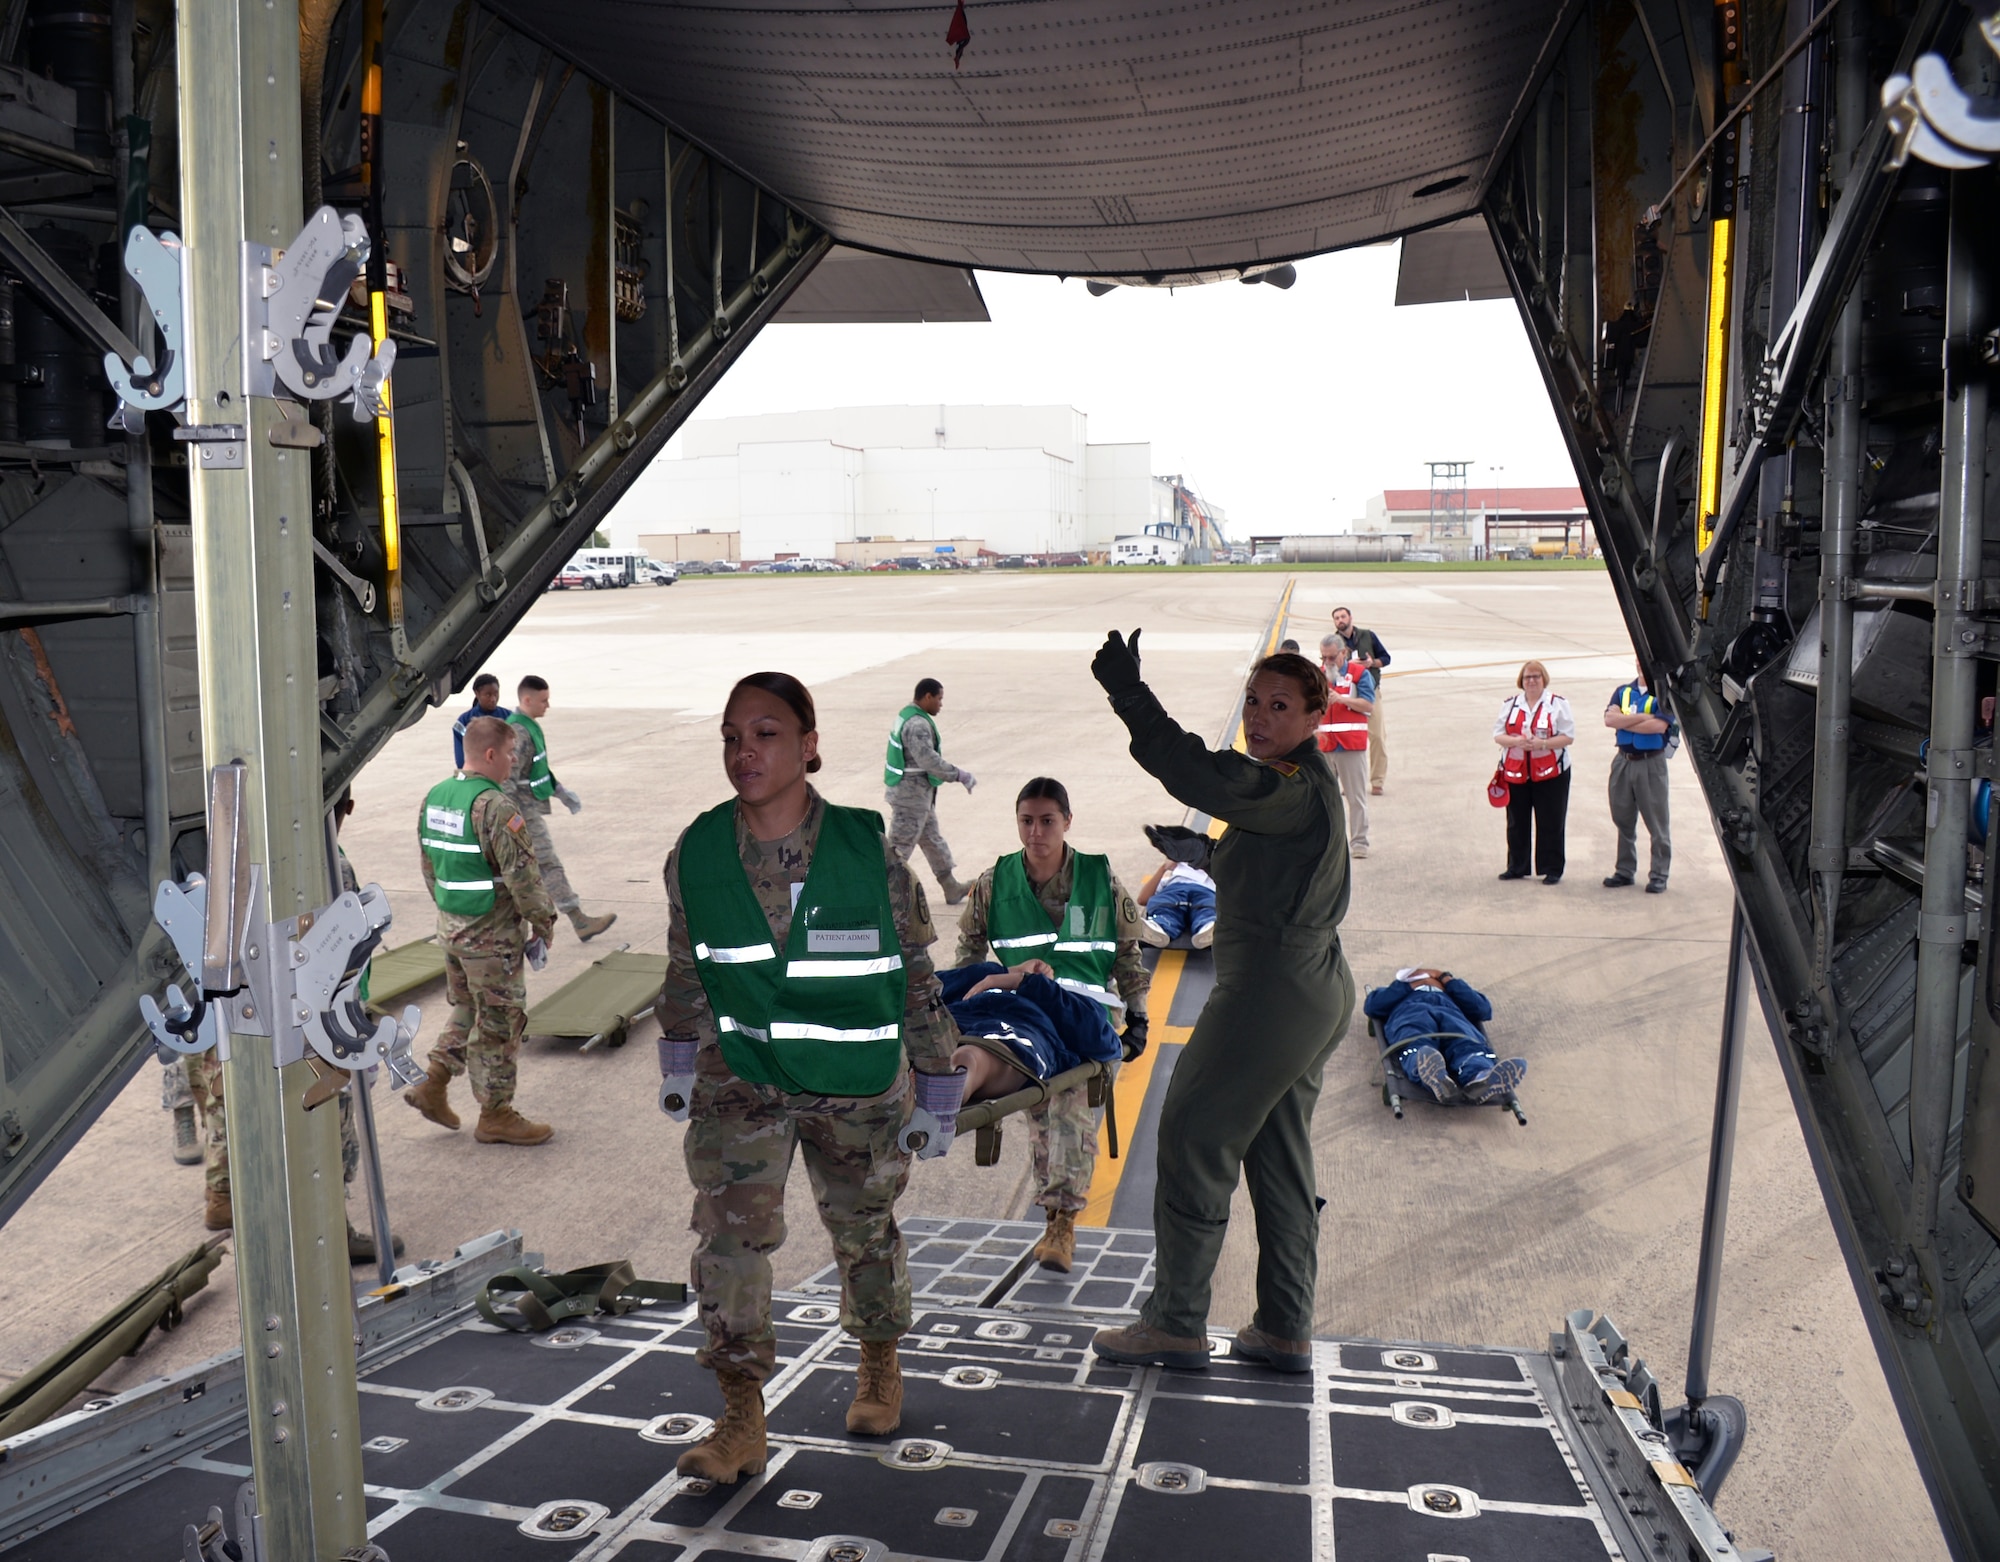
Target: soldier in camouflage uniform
[912, 773]
[493, 913]
[1064, 1127]
[531, 784]
[742, 1135]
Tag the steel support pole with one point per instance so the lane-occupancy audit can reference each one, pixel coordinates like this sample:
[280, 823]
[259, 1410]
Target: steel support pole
[364, 1105]
[1942, 925]
[1721, 1161]
[1840, 514]
[253, 566]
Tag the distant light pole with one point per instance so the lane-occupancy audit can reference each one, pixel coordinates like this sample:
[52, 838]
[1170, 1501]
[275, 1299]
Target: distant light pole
[933, 493]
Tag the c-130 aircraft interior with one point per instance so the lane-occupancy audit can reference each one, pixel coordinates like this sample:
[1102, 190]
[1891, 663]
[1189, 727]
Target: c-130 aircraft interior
[379, 306]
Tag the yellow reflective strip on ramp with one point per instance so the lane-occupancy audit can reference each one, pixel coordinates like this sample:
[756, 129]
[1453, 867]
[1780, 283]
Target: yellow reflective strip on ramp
[1671, 1473]
[1624, 1399]
[1134, 1079]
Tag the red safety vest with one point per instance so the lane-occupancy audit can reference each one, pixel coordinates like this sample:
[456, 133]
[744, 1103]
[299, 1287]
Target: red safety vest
[1541, 764]
[1341, 728]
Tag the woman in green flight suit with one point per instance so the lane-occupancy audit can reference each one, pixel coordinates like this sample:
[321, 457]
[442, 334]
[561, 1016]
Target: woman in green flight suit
[1242, 1096]
[799, 994]
[1050, 902]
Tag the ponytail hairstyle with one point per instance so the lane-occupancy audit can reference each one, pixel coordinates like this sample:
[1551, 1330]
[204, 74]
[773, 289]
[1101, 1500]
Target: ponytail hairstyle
[1306, 674]
[1045, 788]
[797, 697]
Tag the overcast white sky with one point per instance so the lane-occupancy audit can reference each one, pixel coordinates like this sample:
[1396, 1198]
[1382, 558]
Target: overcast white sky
[1288, 409]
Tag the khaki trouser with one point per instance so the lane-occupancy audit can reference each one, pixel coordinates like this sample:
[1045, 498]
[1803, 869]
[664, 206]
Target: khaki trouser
[913, 823]
[1378, 747]
[1350, 769]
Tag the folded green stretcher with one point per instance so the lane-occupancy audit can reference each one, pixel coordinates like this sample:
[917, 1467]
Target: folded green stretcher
[404, 969]
[600, 1004]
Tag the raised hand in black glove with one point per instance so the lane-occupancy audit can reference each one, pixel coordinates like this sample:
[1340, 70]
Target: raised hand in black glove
[1134, 1039]
[1116, 665]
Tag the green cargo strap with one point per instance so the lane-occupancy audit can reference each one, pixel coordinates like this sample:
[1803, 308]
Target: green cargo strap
[541, 780]
[824, 1015]
[892, 767]
[461, 875]
[525, 1300]
[1082, 948]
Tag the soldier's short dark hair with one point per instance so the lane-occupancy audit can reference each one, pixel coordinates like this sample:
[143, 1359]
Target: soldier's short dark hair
[927, 687]
[483, 734]
[1307, 675]
[485, 681]
[1045, 788]
[532, 684]
[795, 694]
[1288, 645]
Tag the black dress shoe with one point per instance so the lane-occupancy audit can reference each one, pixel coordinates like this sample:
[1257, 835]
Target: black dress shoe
[1657, 887]
[1617, 881]
[1511, 874]
[1553, 878]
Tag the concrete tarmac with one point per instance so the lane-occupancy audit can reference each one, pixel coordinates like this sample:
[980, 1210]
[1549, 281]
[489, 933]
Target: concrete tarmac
[1453, 1226]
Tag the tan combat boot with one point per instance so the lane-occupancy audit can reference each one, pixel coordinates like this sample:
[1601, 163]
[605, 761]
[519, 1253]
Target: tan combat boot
[429, 1097]
[588, 927]
[955, 890]
[504, 1125]
[736, 1446]
[1057, 1249]
[218, 1216]
[878, 1391]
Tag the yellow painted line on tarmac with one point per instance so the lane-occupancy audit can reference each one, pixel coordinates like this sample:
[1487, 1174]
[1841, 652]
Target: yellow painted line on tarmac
[1130, 1091]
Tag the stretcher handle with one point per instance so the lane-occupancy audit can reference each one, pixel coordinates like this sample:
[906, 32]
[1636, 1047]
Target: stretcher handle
[983, 1114]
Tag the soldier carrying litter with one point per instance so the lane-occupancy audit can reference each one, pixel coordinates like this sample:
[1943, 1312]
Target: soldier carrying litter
[493, 914]
[531, 784]
[799, 994]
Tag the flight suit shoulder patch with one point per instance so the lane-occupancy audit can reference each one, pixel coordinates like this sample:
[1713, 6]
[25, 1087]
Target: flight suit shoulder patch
[1285, 768]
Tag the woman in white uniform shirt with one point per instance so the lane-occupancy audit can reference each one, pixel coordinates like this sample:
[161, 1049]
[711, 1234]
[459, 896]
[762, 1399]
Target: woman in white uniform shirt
[1534, 731]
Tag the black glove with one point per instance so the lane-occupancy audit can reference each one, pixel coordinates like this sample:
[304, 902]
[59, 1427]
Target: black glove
[1134, 1039]
[1177, 843]
[1116, 665]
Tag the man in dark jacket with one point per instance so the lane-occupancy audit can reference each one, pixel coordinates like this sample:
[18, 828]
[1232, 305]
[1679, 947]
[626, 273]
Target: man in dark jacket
[485, 702]
[1366, 646]
[1443, 1016]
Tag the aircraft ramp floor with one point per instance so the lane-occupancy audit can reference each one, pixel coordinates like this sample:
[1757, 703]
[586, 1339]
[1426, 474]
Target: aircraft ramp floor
[1017, 1445]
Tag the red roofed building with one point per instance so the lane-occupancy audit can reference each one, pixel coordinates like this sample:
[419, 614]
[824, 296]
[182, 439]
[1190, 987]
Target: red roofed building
[1495, 523]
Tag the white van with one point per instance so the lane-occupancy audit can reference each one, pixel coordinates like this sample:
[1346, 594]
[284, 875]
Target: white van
[1146, 550]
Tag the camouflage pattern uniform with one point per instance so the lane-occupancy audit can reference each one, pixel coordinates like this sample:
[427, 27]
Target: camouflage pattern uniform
[1064, 1128]
[741, 1136]
[197, 1081]
[484, 955]
[534, 813]
[913, 802]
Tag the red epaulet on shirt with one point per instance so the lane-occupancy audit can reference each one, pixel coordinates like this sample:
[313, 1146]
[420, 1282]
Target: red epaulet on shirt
[1284, 767]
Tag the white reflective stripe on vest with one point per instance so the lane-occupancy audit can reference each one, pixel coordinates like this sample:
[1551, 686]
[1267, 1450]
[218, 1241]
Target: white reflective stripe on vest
[1102, 995]
[1026, 941]
[1344, 726]
[453, 846]
[1085, 946]
[794, 1030]
[464, 883]
[844, 967]
[742, 954]
[724, 1022]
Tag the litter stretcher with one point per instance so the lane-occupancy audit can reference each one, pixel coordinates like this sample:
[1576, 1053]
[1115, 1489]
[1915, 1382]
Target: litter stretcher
[983, 1118]
[599, 1005]
[1394, 1082]
[394, 972]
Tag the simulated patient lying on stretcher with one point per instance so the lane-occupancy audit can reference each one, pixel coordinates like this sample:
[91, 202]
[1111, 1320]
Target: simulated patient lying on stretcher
[1020, 1026]
[1443, 1018]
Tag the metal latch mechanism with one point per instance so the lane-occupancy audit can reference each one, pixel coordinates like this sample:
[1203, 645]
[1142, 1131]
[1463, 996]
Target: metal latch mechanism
[296, 981]
[291, 298]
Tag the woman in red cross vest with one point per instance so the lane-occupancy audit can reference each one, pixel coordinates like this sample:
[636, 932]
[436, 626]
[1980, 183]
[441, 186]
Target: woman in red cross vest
[1534, 731]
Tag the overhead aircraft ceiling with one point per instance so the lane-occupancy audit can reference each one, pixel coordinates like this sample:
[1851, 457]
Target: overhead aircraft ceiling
[1098, 140]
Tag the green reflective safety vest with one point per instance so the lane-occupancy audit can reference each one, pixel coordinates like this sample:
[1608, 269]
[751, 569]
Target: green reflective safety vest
[1082, 948]
[826, 1017]
[892, 767]
[540, 781]
[462, 878]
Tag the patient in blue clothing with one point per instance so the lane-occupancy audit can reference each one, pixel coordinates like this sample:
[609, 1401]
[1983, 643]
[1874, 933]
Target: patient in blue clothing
[1443, 1019]
[1020, 1026]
